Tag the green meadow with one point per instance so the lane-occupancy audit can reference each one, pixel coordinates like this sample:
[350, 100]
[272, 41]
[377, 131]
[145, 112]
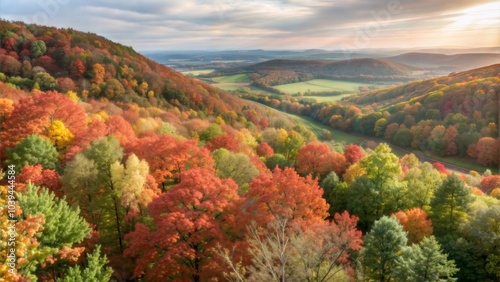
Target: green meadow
[322, 85]
[235, 78]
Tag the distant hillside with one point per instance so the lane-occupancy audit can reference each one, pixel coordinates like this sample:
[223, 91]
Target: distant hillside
[348, 68]
[367, 67]
[290, 65]
[458, 62]
[453, 115]
[48, 58]
[420, 90]
[280, 71]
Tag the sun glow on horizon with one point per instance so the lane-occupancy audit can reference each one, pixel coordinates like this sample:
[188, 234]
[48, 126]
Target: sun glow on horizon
[480, 16]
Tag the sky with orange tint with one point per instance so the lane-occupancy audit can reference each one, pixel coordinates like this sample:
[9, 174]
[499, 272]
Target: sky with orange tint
[272, 24]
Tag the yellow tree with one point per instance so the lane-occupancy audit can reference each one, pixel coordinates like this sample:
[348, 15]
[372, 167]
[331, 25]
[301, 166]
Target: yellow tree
[142, 88]
[59, 135]
[131, 183]
[6, 108]
[73, 96]
[99, 72]
[353, 172]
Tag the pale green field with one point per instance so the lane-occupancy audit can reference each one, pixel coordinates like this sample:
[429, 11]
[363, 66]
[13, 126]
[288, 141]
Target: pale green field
[230, 86]
[321, 85]
[242, 77]
[198, 72]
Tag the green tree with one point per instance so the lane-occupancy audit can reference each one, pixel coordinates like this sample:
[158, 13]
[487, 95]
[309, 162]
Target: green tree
[482, 232]
[450, 206]
[32, 150]
[45, 81]
[235, 166]
[97, 192]
[277, 160]
[80, 184]
[212, 131]
[382, 248]
[94, 272]
[437, 141]
[425, 262]
[63, 226]
[379, 191]
[329, 182]
[403, 137]
[380, 126]
[292, 144]
[105, 151]
[167, 128]
[422, 181]
[38, 48]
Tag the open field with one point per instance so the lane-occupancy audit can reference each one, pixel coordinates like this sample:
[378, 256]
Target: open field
[198, 72]
[232, 78]
[322, 85]
[230, 86]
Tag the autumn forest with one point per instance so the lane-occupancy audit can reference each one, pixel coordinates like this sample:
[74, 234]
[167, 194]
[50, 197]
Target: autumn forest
[116, 168]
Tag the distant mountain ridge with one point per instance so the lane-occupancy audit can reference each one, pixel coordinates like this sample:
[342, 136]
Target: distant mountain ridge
[457, 62]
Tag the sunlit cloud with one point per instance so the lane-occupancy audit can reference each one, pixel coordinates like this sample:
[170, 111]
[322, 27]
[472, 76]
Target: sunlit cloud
[272, 24]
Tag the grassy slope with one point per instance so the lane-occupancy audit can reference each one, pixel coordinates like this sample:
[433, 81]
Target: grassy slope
[230, 86]
[232, 78]
[321, 85]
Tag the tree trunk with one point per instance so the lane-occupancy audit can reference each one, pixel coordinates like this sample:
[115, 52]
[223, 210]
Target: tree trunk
[117, 217]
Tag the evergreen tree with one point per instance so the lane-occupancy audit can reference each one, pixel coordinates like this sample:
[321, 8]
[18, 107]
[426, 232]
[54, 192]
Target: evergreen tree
[425, 262]
[32, 150]
[450, 206]
[329, 182]
[94, 272]
[63, 224]
[382, 248]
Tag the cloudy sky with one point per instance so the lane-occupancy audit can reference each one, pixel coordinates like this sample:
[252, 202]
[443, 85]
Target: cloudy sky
[271, 24]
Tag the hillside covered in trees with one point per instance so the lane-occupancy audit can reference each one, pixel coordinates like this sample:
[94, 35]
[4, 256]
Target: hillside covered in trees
[117, 168]
[44, 58]
[454, 115]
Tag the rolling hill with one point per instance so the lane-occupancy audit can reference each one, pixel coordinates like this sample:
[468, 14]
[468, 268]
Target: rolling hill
[48, 58]
[419, 90]
[348, 68]
[275, 72]
[457, 62]
[449, 116]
